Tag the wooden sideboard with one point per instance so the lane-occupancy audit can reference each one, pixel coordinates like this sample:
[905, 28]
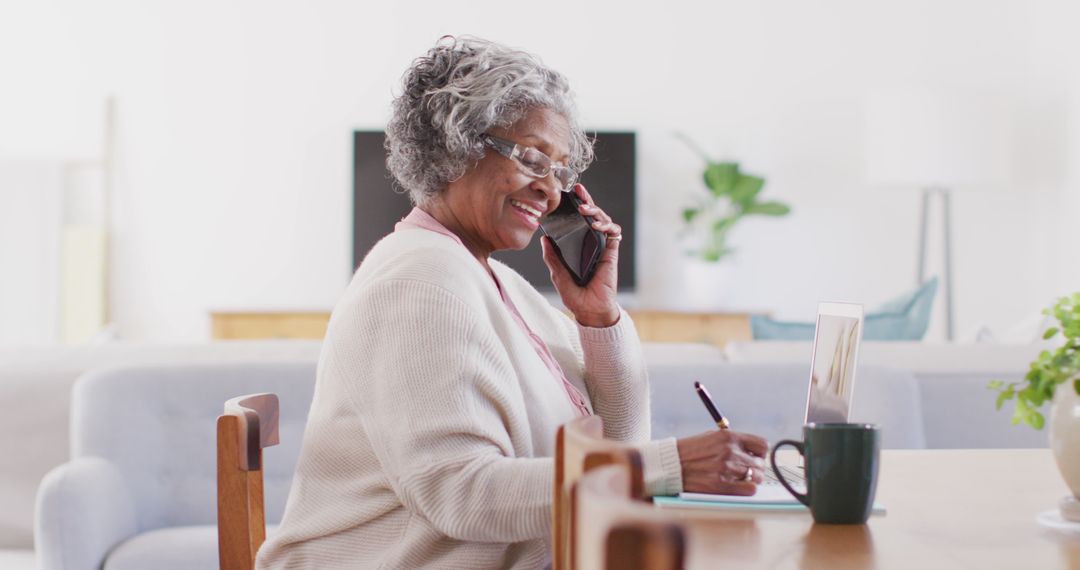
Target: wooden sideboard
[235, 325]
[653, 326]
[707, 328]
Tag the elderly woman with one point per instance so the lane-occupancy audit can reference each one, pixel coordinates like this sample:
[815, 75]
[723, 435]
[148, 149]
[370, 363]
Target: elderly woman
[444, 374]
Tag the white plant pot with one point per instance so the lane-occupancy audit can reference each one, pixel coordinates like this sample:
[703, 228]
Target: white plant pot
[1065, 443]
[707, 286]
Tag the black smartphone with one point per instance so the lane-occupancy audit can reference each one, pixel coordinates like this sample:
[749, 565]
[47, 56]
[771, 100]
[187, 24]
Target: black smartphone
[579, 245]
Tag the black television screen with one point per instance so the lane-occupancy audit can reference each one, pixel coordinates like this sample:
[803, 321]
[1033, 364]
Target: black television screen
[378, 203]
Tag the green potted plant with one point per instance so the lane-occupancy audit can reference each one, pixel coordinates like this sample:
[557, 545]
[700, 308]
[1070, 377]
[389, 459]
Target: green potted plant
[730, 196]
[1054, 377]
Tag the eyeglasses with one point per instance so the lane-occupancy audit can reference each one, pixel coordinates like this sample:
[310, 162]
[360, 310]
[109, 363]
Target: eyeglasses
[533, 162]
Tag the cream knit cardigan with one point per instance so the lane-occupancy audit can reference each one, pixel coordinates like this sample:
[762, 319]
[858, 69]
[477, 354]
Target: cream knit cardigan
[431, 433]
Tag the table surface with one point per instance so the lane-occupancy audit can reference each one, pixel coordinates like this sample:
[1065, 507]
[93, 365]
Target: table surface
[945, 509]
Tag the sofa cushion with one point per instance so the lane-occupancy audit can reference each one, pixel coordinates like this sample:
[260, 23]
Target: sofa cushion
[176, 548]
[959, 413]
[904, 318]
[770, 400]
[957, 409]
[921, 358]
[179, 548]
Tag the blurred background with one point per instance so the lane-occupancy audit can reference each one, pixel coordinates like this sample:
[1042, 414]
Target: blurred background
[162, 161]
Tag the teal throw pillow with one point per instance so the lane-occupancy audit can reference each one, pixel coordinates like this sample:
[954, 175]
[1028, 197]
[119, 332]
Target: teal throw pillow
[904, 318]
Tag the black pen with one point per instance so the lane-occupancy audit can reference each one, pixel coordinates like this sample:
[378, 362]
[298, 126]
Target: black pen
[721, 421]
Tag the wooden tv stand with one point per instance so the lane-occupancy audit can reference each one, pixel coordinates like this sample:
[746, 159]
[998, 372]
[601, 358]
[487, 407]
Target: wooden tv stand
[652, 325]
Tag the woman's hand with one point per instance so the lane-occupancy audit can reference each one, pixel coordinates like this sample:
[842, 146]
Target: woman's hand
[718, 462]
[593, 305]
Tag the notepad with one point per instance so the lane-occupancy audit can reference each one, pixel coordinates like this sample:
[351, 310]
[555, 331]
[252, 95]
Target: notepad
[771, 494]
[728, 507]
[765, 500]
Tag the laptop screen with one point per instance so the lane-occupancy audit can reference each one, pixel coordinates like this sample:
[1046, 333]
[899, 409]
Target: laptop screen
[832, 368]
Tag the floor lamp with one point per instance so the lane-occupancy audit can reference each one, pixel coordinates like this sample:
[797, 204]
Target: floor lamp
[936, 141]
[942, 193]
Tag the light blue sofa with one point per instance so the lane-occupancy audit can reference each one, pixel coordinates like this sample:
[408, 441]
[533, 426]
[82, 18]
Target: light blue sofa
[770, 400]
[139, 490]
[957, 410]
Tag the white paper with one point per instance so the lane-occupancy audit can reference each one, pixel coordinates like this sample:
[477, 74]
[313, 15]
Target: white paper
[768, 493]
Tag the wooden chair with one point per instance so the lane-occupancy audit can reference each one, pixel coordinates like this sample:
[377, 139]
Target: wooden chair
[579, 447]
[615, 531]
[646, 546]
[249, 424]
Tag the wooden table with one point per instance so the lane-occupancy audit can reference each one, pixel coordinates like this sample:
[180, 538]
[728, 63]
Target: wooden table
[946, 509]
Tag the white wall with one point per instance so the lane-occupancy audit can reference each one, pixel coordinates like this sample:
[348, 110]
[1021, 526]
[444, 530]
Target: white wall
[31, 212]
[235, 124]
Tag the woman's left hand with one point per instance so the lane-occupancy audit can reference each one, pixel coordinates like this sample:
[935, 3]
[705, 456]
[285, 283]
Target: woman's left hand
[593, 305]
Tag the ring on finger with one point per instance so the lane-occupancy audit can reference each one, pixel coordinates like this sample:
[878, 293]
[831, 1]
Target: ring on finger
[749, 474]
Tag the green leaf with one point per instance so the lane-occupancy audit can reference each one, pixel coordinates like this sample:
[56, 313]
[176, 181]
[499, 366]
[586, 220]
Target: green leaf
[768, 209]
[1020, 412]
[689, 214]
[746, 189]
[1034, 395]
[722, 225]
[1004, 395]
[713, 254]
[720, 177]
[1048, 370]
[724, 253]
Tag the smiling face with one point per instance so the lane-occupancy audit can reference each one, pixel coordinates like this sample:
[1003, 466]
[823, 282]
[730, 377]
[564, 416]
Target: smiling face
[496, 205]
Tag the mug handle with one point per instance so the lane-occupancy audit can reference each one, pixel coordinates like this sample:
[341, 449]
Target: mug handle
[779, 476]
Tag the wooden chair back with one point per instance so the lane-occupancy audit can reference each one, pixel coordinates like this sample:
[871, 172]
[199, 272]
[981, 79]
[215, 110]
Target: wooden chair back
[248, 424]
[646, 545]
[615, 531]
[580, 447]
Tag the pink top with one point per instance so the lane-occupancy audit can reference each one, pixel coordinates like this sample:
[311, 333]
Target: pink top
[418, 218]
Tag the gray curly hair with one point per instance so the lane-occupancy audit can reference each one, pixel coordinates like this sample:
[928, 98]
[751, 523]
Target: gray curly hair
[456, 92]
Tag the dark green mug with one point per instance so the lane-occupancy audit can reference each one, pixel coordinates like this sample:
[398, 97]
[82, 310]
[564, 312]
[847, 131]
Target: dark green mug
[841, 470]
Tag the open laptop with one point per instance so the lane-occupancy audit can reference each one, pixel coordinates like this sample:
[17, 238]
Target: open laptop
[828, 396]
[832, 371]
